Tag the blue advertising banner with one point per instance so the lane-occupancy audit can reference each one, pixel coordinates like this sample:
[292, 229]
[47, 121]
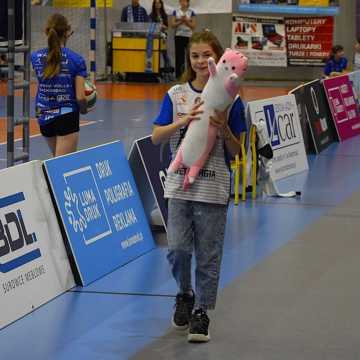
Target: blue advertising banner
[100, 209]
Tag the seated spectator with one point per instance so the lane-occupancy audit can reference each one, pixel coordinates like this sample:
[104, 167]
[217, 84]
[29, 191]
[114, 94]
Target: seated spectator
[336, 63]
[134, 13]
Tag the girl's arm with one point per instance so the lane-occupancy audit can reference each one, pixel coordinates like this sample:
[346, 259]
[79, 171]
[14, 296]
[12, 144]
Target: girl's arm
[191, 23]
[174, 23]
[232, 142]
[80, 94]
[162, 133]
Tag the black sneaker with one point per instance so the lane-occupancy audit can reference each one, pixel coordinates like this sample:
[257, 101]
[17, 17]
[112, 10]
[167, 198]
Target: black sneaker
[183, 308]
[199, 327]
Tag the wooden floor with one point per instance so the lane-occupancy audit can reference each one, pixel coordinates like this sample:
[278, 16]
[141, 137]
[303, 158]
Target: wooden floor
[123, 92]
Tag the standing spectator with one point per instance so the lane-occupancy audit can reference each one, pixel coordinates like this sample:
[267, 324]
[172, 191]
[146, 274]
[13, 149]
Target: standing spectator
[134, 13]
[183, 21]
[336, 63]
[357, 55]
[60, 96]
[159, 15]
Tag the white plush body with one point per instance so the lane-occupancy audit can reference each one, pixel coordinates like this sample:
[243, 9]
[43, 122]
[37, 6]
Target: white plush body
[219, 92]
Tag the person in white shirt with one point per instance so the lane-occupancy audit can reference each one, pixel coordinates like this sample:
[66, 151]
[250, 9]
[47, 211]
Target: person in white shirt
[183, 21]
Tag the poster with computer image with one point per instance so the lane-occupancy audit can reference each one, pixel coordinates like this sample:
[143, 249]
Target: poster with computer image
[261, 39]
[315, 117]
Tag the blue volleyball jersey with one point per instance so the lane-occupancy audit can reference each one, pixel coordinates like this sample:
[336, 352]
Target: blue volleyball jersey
[56, 96]
[335, 66]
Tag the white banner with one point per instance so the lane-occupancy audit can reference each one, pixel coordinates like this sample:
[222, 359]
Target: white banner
[261, 39]
[199, 6]
[34, 267]
[283, 125]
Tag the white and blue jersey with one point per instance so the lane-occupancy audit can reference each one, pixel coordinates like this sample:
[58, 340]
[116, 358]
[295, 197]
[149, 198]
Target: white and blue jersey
[56, 96]
[213, 183]
[183, 29]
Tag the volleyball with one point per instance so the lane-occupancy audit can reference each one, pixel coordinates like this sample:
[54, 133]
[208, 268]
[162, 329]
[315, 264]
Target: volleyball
[90, 95]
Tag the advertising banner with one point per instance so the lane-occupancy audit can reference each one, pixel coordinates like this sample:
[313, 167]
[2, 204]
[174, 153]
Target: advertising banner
[34, 267]
[344, 106]
[261, 39]
[149, 165]
[309, 40]
[315, 117]
[100, 209]
[283, 125]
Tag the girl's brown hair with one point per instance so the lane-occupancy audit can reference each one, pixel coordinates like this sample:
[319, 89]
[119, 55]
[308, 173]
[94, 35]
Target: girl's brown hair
[56, 28]
[334, 50]
[207, 37]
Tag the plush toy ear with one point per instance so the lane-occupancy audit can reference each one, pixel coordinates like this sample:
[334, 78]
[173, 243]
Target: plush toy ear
[211, 66]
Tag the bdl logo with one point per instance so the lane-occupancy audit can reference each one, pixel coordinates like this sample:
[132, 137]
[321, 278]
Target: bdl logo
[11, 240]
[281, 127]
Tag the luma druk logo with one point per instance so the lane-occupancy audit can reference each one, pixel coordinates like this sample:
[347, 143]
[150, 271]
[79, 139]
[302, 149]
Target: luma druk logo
[14, 237]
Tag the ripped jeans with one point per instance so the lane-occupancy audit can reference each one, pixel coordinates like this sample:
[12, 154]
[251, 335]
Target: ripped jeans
[200, 228]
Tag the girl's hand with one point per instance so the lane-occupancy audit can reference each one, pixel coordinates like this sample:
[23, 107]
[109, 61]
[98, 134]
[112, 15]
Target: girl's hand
[219, 119]
[193, 114]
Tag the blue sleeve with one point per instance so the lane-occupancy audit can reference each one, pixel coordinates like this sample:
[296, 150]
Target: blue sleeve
[80, 69]
[328, 68]
[345, 63]
[237, 121]
[165, 116]
[193, 13]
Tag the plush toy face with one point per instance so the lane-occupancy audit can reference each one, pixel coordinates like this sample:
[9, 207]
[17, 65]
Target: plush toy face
[233, 61]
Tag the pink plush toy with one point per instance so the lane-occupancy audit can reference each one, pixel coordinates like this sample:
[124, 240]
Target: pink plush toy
[220, 91]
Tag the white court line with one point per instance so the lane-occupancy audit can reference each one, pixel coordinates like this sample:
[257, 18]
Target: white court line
[37, 135]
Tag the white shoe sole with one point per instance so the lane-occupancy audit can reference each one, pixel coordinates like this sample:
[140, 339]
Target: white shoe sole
[198, 337]
[177, 327]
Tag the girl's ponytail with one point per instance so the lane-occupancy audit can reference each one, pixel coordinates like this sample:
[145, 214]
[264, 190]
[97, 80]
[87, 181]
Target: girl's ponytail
[57, 29]
[54, 55]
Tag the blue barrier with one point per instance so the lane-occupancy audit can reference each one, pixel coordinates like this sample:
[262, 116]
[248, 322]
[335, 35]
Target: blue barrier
[100, 209]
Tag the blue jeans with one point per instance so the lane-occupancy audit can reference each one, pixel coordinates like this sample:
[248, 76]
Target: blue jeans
[196, 227]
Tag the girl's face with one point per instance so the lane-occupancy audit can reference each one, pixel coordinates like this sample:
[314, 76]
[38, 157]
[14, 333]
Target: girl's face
[199, 55]
[184, 4]
[157, 4]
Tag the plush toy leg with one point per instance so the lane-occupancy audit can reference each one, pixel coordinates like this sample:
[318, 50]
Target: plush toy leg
[176, 163]
[186, 182]
[193, 173]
